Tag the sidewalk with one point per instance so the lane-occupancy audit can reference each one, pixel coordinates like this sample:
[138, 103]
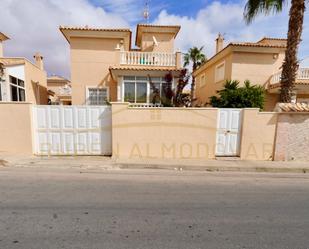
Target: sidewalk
[217, 165]
[108, 163]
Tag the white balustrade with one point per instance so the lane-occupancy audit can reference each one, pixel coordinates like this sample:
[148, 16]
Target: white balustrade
[147, 58]
[302, 74]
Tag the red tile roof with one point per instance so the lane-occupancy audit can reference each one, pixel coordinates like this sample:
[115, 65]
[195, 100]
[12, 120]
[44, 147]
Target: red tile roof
[144, 68]
[86, 28]
[290, 107]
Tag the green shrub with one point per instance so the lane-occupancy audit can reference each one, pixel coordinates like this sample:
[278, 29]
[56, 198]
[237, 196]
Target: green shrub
[233, 96]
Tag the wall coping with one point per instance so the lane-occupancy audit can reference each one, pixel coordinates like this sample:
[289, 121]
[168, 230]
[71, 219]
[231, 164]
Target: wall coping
[297, 113]
[14, 103]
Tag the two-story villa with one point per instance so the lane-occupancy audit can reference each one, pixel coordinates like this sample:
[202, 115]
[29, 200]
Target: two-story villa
[105, 67]
[260, 62]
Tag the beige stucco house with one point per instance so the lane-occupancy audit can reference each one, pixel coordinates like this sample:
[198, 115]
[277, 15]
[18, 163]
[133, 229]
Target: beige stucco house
[260, 62]
[59, 90]
[20, 79]
[105, 67]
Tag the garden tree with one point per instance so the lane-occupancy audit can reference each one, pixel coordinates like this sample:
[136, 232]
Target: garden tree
[196, 56]
[1, 71]
[155, 92]
[182, 99]
[290, 64]
[167, 91]
[233, 96]
[169, 96]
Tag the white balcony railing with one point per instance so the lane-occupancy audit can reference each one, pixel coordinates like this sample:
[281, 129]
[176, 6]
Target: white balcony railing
[147, 59]
[302, 74]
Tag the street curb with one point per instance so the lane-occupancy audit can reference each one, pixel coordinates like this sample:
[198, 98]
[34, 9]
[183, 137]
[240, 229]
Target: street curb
[213, 168]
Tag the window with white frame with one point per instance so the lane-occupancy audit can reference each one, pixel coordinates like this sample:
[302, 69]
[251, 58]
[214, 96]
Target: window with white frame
[97, 95]
[220, 72]
[137, 89]
[17, 88]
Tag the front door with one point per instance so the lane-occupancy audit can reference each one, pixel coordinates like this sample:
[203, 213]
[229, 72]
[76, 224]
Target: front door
[228, 132]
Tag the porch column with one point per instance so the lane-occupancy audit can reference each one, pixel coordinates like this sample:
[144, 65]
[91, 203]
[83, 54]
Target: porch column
[178, 60]
[119, 89]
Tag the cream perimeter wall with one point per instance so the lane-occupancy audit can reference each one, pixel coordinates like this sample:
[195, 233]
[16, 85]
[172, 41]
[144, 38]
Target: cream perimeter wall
[258, 135]
[180, 133]
[15, 128]
[163, 133]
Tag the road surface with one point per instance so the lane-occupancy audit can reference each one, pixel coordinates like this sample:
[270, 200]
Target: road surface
[66, 208]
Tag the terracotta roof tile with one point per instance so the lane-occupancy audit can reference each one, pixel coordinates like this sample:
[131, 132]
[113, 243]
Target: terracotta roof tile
[3, 37]
[253, 44]
[144, 68]
[159, 26]
[272, 38]
[290, 107]
[57, 78]
[86, 28]
[244, 44]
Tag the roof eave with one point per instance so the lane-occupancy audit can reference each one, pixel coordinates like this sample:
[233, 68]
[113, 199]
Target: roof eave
[137, 43]
[3, 37]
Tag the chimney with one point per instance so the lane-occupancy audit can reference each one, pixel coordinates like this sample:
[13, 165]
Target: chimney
[3, 38]
[219, 43]
[39, 60]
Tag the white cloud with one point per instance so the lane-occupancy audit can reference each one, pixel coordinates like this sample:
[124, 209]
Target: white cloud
[227, 18]
[33, 26]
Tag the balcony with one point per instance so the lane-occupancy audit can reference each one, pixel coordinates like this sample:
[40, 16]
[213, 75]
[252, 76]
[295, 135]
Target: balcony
[302, 75]
[154, 59]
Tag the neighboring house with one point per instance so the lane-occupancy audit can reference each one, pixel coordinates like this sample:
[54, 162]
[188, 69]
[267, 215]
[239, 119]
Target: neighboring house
[259, 62]
[105, 67]
[21, 80]
[59, 90]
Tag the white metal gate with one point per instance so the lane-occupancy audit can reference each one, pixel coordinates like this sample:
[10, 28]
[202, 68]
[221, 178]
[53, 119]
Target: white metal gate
[228, 132]
[72, 130]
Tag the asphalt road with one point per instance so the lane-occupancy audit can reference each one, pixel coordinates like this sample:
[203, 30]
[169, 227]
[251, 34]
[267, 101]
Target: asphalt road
[52, 208]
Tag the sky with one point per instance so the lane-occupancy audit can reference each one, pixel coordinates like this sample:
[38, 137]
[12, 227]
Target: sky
[33, 25]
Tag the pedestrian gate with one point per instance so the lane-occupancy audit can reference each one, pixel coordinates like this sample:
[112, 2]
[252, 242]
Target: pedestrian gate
[228, 132]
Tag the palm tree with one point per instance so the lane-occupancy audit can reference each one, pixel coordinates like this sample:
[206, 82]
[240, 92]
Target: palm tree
[196, 56]
[290, 65]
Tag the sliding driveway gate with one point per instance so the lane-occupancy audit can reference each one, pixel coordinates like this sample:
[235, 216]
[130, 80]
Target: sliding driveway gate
[72, 130]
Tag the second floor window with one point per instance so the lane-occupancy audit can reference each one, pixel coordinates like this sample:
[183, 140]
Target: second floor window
[17, 88]
[220, 72]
